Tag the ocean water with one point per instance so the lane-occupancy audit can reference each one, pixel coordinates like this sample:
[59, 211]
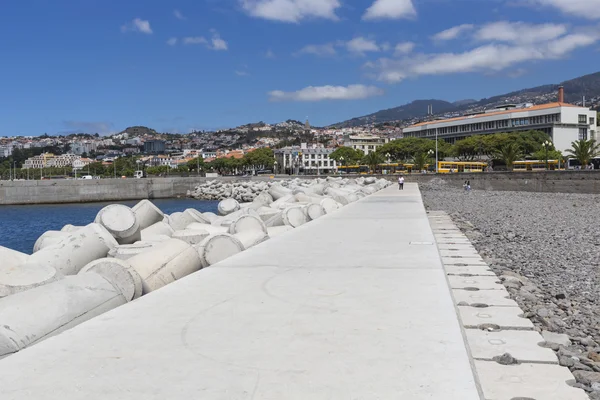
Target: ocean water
[20, 226]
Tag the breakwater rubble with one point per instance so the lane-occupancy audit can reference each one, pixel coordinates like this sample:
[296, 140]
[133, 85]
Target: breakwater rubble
[546, 249]
[80, 272]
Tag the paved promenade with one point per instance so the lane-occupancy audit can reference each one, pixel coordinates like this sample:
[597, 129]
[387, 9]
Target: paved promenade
[355, 305]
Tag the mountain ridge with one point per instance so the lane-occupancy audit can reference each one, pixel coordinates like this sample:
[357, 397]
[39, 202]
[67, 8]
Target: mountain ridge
[586, 85]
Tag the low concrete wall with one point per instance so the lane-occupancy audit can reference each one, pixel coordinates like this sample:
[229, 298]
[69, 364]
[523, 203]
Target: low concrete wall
[551, 182]
[75, 191]
[80, 191]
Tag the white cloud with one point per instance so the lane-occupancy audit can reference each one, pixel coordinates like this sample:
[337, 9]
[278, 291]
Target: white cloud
[137, 25]
[404, 48]
[241, 73]
[269, 54]
[519, 32]
[390, 9]
[321, 50]
[195, 40]
[172, 41]
[291, 10]
[218, 44]
[319, 93]
[361, 45]
[178, 14]
[589, 9]
[452, 33]
[491, 57]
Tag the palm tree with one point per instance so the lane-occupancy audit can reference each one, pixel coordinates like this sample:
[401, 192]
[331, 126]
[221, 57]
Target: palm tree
[509, 153]
[373, 159]
[584, 150]
[420, 160]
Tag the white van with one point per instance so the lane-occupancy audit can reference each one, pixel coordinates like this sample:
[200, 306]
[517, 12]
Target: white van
[138, 174]
[87, 177]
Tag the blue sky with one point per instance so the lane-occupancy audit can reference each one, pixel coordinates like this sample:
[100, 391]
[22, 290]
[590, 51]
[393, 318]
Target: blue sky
[102, 65]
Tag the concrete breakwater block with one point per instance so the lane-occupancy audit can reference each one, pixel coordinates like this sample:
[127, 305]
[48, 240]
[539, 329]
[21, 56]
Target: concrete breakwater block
[330, 205]
[251, 238]
[228, 206]
[246, 223]
[70, 228]
[147, 214]
[197, 215]
[49, 238]
[210, 216]
[291, 216]
[157, 229]
[218, 247]
[265, 213]
[277, 191]
[180, 220]
[191, 236]
[119, 273]
[165, 263]
[314, 211]
[76, 251]
[16, 279]
[12, 257]
[126, 251]
[39, 313]
[212, 229]
[120, 221]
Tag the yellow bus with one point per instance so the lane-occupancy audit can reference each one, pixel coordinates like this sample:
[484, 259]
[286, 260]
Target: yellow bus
[446, 167]
[534, 165]
[354, 169]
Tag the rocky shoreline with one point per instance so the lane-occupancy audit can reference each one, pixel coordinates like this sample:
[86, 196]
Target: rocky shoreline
[546, 247]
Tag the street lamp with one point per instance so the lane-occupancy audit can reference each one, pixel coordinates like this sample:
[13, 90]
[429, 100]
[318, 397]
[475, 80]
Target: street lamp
[431, 152]
[546, 145]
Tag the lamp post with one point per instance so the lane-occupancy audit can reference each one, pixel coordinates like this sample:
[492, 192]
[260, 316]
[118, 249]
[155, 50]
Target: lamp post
[546, 145]
[431, 152]
[436, 151]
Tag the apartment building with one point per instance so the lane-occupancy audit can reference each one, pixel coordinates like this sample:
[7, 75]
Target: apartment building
[365, 142]
[297, 160]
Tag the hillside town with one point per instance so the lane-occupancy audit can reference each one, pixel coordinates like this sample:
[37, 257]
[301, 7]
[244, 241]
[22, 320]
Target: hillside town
[76, 152]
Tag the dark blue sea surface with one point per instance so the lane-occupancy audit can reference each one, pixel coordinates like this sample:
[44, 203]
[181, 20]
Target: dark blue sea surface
[20, 226]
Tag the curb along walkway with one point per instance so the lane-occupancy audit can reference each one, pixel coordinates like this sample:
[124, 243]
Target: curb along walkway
[354, 305]
[494, 326]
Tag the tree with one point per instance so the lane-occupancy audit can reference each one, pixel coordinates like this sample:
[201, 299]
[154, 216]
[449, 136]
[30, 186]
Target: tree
[583, 151]
[509, 153]
[420, 160]
[193, 164]
[260, 159]
[373, 159]
[350, 155]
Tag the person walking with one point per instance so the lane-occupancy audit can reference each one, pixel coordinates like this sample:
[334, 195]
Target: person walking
[401, 183]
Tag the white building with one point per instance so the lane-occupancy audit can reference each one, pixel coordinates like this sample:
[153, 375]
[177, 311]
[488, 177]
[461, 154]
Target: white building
[62, 161]
[365, 142]
[81, 163]
[296, 160]
[564, 123]
[40, 161]
[5, 151]
[81, 147]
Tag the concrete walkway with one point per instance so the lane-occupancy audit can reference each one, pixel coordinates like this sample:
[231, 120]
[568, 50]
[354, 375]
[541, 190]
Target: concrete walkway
[354, 305]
